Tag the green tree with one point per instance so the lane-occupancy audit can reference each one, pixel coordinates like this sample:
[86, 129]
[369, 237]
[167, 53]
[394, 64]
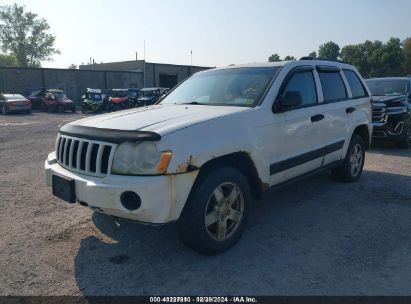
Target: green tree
[313, 54]
[274, 58]
[329, 50]
[406, 50]
[391, 58]
[7, 60]
[72, 66]
[25, 36]
[376, 59]
[289, 58]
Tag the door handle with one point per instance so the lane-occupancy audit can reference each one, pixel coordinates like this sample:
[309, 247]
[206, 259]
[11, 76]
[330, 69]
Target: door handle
[349, 110]
[317, 117]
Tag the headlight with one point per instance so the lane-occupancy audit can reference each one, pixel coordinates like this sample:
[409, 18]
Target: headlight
[140, 159]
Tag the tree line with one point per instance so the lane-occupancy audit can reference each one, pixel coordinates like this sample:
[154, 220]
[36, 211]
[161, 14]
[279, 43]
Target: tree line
[372, 58]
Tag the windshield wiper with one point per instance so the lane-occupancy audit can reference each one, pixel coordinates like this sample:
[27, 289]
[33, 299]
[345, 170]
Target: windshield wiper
[193, 103]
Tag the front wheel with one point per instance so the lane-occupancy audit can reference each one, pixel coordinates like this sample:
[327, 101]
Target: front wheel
[216, 212]
[4, 110]
[406, 141]
[352, 166]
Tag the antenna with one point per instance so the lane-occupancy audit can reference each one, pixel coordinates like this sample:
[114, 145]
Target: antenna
[144, 50]
[191, 53]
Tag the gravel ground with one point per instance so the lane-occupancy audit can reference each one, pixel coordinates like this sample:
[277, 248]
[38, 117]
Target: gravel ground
[317, 237]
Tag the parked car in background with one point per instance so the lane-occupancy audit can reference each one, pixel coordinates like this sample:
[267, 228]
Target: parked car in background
[391, 109]
[220, 139]
[36, 97]
[93, 101]
[133, 95]
[14, 103]
[149, 96]
[117, 100]
[57, 101]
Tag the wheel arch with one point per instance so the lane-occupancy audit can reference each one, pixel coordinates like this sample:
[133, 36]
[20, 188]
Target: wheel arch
[363, 131]
[241, 161]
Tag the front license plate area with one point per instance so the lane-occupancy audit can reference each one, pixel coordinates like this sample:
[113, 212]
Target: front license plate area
[64, 189]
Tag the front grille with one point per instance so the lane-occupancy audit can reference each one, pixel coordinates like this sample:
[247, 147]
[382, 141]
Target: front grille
[379, 114]
[85, 156]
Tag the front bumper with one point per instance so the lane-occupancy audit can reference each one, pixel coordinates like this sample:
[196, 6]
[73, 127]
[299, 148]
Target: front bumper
[392, 129]
[162, 197]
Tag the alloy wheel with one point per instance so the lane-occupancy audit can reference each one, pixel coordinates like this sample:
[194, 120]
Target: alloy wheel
[224, 211]
[356, 159]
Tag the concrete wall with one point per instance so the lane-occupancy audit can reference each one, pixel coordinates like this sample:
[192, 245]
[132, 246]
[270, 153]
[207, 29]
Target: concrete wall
[74, 82]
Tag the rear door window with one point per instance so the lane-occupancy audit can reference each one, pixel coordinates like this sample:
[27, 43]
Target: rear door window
[356, 86]
[333, 86]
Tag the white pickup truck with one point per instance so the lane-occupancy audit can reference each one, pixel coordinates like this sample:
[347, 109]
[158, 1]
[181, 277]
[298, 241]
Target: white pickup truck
[215, 143]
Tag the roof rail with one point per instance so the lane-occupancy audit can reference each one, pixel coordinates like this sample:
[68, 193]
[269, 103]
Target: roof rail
[323, 59]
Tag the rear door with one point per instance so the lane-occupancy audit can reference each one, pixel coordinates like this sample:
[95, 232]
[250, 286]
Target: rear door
[337, 105]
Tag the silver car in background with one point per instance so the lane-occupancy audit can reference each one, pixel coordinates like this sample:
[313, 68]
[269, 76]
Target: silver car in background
[14, 103]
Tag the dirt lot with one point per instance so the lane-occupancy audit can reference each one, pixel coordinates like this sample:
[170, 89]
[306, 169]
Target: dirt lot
[316, 237]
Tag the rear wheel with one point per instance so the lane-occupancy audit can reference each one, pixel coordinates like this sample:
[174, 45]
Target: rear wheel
[60, 109]
[351, 168]
[216, 212]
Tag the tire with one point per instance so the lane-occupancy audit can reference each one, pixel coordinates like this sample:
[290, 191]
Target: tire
[406, 141]
[83, 110]
[351, 168]
[43, 108]
[4, 110]
[73, 110]
[212, 195]
[60, 109]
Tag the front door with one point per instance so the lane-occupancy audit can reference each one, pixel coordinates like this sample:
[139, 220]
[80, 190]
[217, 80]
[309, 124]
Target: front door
[301, 137]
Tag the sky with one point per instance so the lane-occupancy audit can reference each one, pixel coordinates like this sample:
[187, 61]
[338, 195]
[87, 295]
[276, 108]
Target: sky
[218, 32]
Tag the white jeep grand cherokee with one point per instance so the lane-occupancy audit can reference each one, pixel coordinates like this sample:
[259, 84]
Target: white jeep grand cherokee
[217, 141]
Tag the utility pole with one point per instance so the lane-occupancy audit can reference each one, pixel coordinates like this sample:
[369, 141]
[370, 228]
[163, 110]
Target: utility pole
[144, 65]
[191, 53]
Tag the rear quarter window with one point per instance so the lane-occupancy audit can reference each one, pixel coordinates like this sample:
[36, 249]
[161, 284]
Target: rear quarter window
[333, 86]
[356, 85]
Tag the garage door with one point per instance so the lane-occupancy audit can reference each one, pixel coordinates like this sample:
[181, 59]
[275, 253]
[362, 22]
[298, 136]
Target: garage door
[168, 80]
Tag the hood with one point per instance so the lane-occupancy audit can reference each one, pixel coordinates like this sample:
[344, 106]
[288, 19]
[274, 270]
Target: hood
[378, 99]
[147, 98]
[161, 119]
[118, 99]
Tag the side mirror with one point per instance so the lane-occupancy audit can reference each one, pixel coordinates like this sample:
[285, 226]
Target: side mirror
[291, 99]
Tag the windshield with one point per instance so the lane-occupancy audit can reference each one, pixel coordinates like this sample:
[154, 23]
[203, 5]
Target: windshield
[148, 93]
[132, 93]
[119, 93]
[95, 96]
[388, 87]
[234, 87]
[14, 97]
[60, 96]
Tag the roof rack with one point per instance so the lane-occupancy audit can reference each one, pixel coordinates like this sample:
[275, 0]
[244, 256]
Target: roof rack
[322, 59]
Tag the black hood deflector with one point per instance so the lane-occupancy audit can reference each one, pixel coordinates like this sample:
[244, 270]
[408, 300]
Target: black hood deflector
[109, 135]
